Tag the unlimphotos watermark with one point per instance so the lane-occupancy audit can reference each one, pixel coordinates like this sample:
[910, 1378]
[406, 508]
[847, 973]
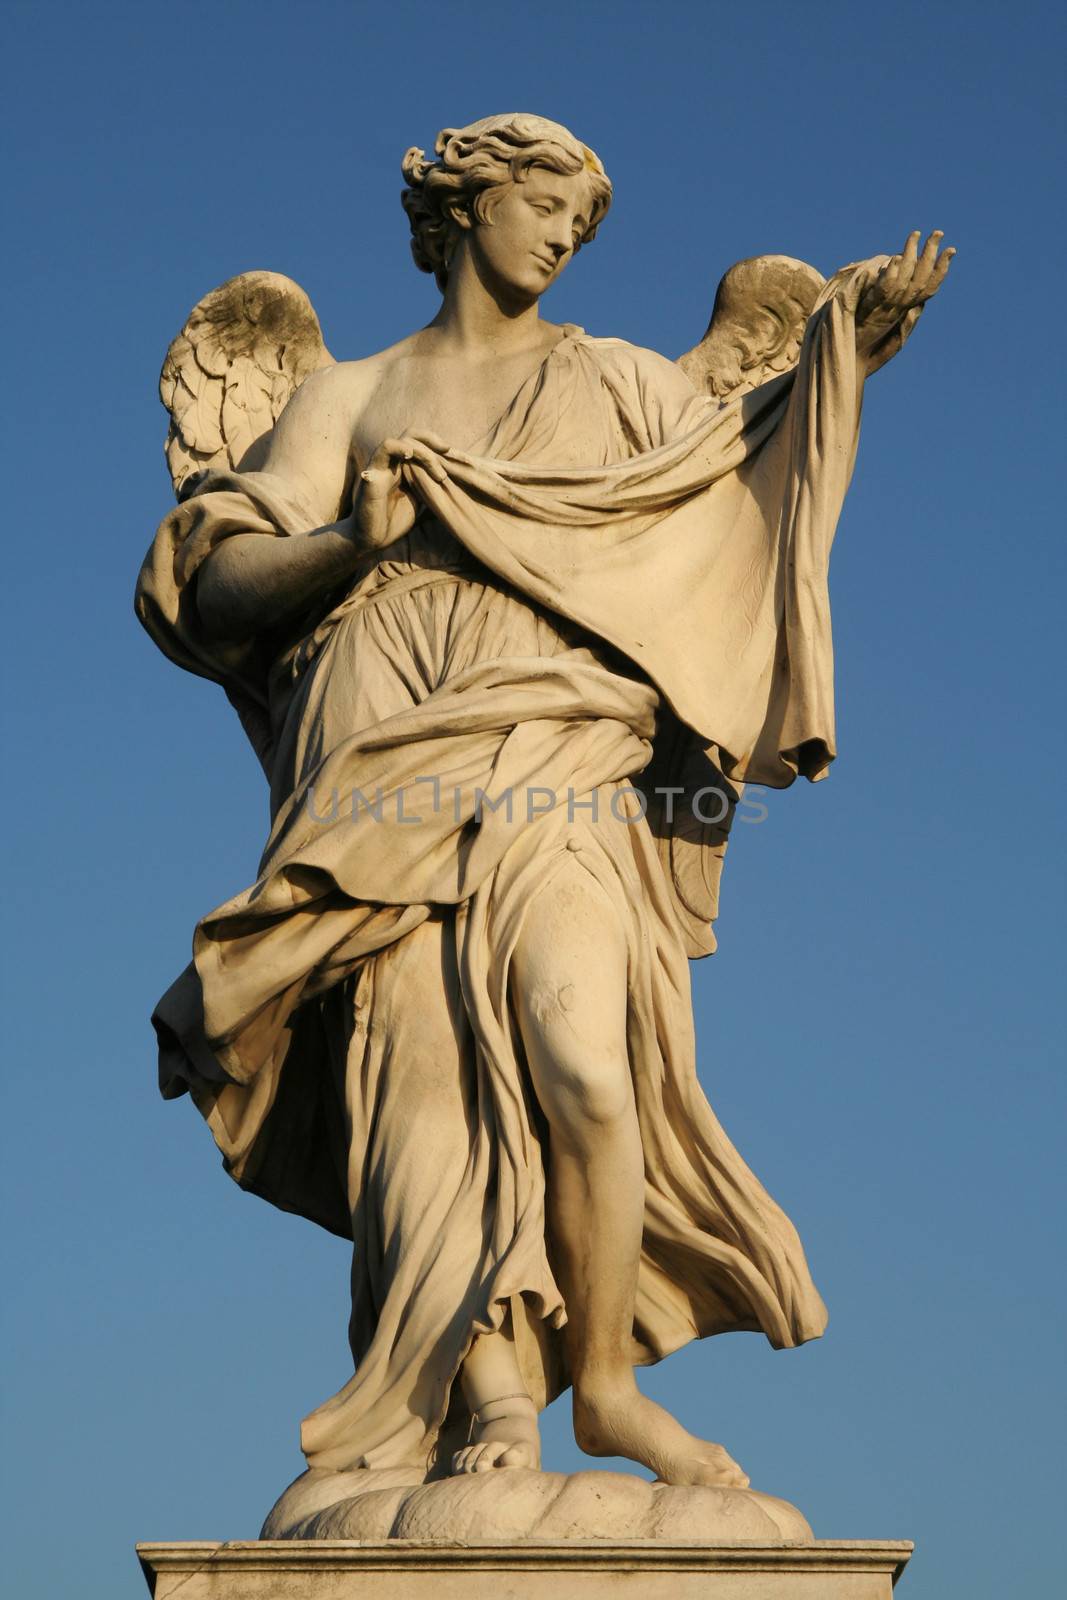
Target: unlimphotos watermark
[710, 805]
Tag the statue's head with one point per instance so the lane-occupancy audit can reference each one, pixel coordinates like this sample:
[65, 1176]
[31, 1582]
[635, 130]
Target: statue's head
[505, 172]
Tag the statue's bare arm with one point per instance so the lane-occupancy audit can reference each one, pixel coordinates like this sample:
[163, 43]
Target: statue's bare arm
[253, 581]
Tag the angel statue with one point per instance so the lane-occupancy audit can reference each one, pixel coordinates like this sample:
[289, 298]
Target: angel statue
[509, 613]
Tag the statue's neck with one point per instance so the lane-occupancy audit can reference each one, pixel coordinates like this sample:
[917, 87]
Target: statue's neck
[477, 317]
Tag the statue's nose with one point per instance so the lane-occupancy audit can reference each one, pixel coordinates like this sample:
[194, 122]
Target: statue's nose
[558, 240]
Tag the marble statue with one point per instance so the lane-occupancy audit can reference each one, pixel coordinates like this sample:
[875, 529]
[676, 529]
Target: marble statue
[510, 614]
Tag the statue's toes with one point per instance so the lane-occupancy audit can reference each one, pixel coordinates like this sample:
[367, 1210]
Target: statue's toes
[720, 1470]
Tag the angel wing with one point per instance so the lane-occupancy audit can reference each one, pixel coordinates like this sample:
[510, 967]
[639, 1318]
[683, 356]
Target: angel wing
[243, 352]
[762, 306]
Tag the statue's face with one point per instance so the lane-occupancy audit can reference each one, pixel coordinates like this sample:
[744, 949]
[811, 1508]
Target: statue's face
[535, 228]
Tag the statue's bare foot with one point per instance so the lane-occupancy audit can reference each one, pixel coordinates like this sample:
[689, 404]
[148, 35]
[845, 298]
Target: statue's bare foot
[504, 1435]
[620, 1421]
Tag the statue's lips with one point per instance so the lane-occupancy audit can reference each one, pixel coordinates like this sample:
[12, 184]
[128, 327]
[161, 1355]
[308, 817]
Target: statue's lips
[550, 266]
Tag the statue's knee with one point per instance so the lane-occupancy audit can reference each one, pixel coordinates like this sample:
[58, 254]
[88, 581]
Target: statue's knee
[603, 1095]
[582, 1092]
[569, 984]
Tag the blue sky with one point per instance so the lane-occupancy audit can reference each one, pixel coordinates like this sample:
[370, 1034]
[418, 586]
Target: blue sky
[881, 1030]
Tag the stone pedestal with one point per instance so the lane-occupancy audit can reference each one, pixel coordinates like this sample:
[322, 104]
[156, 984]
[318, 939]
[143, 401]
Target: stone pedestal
[639, 1569]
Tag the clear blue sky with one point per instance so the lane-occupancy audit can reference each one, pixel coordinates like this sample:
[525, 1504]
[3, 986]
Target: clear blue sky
[881, 1031]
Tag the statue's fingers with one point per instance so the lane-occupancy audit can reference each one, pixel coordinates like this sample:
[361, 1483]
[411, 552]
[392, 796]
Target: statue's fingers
[441, 447]
[434, 441]
[385, 458]
[425, 457]
[378, 482]
[889, 277]
[937, 277]
[927, 261]
[399, 450]
[899, 271]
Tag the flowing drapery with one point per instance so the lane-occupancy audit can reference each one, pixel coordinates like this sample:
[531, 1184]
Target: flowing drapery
[620, 568]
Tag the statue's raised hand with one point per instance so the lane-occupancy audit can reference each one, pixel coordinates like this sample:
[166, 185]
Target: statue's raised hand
[385, 506]
[904, 283]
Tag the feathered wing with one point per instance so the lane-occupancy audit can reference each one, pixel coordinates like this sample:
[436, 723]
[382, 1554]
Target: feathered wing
[762, 306]
[243, 352]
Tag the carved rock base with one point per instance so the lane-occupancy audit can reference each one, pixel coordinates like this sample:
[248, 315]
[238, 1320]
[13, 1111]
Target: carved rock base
[636, 1569]
[517, 1504]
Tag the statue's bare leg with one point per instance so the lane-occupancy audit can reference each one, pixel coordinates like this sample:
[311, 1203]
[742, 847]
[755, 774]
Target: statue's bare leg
[569, 983]
[504, 1428]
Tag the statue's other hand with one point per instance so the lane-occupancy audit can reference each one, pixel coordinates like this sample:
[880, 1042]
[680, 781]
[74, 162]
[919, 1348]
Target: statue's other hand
[906, 281]
[385, 506]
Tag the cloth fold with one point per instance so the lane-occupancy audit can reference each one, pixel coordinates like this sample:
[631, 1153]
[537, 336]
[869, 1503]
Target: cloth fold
[623, 585]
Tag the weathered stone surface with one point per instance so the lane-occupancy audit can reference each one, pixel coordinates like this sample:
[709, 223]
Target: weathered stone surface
[321, 1569]
[522, 1504]
[549, 600]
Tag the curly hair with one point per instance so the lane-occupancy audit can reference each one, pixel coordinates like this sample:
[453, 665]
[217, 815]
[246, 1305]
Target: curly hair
[476, 166]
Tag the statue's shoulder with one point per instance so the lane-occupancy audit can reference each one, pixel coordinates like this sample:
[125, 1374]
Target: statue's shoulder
[638, 367]
[339, 394]
[345, 382]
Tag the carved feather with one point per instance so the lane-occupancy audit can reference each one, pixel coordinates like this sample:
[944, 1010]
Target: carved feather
[244, 351]
[194, 410]
[762, 306]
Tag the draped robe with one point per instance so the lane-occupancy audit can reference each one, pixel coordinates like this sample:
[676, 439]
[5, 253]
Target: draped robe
[621, 591]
